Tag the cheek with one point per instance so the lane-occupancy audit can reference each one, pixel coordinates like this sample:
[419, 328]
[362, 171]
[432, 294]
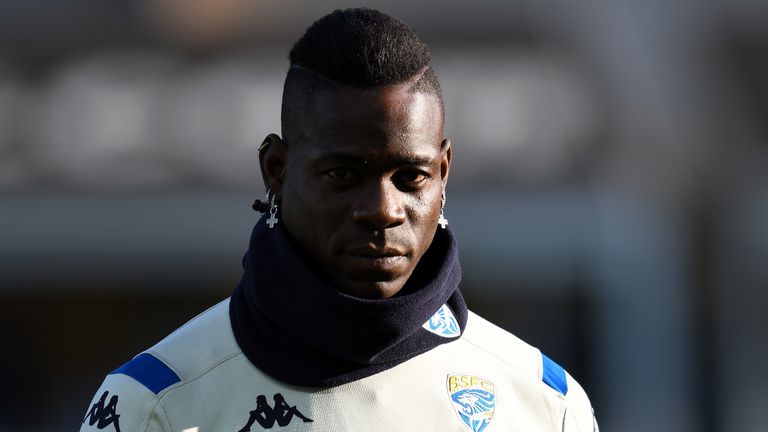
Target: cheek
[426, 205]
[297, 211]
[308, 213]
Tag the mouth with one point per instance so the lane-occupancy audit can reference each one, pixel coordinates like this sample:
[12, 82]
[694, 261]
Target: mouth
[372, 261]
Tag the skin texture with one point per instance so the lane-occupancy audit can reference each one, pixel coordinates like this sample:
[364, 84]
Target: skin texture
[359, 184]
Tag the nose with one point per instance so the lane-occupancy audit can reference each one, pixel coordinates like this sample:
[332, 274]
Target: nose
[379, 207]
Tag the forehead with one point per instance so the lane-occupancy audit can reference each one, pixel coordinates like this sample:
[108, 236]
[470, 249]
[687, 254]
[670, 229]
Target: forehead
[393, 118]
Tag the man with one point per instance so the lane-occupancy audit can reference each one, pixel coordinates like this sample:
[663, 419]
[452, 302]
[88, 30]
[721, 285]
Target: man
[348, 315]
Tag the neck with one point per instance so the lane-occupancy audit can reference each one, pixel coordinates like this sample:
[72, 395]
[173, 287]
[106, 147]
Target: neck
[299, 329]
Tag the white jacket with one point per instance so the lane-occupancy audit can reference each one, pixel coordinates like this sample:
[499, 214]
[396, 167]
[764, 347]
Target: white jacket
[198, 380]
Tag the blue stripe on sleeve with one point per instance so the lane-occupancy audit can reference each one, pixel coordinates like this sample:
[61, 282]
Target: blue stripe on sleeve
[554, 375]
[150, 372]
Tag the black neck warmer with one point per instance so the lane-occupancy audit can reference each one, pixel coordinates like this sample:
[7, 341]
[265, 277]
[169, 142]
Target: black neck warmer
[300, 330]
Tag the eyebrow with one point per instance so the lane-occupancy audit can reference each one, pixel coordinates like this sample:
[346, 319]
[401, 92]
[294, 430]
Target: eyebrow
[336, 157]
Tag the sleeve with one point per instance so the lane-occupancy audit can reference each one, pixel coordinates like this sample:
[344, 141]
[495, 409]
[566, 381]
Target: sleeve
[579, 415]
[127, 400]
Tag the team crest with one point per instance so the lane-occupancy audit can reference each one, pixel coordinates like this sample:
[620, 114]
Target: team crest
[474, 400]
[443, 323]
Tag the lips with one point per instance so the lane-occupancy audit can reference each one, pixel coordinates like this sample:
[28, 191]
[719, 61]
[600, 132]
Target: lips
[373, 261]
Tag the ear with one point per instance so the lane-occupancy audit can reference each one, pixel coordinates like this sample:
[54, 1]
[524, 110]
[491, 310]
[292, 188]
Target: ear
[273, 158]
[445, 160]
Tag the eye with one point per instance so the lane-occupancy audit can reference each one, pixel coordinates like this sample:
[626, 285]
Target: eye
[412, 178]
[340, 174]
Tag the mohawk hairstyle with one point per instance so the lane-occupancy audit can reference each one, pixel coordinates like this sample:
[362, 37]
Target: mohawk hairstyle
[360, 48]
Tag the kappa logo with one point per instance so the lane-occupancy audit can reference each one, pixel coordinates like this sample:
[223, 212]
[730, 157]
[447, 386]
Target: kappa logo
[103, 416]
[474, 400]
[266, 416]
[443, 323]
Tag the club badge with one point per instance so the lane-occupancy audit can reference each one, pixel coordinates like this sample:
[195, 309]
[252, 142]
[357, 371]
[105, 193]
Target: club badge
[443, 323]
[474, 400]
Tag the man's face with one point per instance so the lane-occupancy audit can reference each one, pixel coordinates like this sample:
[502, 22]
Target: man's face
[362, 185]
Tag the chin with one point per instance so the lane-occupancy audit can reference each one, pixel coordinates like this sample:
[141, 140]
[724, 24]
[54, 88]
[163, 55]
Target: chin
[373, 290]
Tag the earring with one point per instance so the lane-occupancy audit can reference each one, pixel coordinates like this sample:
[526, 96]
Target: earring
[261, 206]
[272, 212]
[443, 222]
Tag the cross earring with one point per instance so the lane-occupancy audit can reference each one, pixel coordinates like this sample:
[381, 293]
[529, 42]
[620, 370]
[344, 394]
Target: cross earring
[272, 212]
[443, 222]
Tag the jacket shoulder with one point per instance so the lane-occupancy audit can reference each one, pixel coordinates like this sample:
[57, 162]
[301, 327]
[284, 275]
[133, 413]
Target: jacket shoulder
[198, 345]
[129, 398]
[531, 362]
[123, 404]
[503, 345]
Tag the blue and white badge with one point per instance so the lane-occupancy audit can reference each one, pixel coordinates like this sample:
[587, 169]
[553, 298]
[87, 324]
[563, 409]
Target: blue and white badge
[474, 400]
[443, 323]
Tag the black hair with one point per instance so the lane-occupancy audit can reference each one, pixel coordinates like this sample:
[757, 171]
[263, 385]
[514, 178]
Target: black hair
[360, 48]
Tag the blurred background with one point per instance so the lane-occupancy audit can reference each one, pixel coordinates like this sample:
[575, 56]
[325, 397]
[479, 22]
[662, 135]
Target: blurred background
[609, 188]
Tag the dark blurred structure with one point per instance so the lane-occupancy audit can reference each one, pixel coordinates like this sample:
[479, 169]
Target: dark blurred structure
[609, 189]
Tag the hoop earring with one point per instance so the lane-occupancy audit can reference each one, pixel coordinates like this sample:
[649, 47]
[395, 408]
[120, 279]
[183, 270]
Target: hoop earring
[442, 221]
